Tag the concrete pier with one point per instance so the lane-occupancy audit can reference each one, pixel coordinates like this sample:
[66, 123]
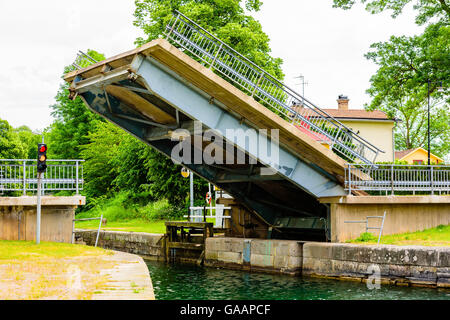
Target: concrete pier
[18, 218]
[403, 214]
[129, 279]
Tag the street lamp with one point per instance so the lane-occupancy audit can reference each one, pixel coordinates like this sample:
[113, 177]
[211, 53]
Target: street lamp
[440, 88]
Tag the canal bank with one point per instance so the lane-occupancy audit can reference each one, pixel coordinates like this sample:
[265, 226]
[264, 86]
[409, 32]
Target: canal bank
[394, 265]
[59, 271]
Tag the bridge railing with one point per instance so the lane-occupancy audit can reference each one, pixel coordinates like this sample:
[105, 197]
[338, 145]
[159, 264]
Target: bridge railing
[391, 178]
[279, 98]
[20, 176]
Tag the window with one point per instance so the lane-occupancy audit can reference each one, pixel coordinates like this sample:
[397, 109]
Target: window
[417, 161]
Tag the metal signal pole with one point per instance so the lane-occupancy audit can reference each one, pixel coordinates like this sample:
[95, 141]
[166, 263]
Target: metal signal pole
[191, 190]
[38, 211]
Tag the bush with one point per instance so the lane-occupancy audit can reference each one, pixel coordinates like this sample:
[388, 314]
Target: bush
[130, 206]
[366, 237]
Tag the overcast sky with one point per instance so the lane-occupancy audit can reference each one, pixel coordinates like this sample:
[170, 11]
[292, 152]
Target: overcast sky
[326, 45]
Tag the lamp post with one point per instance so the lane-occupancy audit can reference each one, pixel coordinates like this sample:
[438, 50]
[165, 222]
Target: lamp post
[440, 88]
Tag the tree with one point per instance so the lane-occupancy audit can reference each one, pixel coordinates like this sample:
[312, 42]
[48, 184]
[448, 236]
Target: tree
[406, 66]
[73, 121]
[30, 141]
[427, 9]
[225, 18]
[400, 86]
[167, 182]
[99, 152]
[10, 145]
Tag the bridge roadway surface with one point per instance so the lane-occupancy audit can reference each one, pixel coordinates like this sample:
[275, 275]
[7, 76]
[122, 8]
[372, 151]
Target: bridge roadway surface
[155, 89]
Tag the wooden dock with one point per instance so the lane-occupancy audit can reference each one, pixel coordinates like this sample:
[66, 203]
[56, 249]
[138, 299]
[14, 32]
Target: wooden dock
[184, 235]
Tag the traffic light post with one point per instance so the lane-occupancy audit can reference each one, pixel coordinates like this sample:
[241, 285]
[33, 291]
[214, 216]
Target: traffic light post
[41, 167]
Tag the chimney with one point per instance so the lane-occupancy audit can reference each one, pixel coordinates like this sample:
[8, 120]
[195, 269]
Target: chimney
[343, 102]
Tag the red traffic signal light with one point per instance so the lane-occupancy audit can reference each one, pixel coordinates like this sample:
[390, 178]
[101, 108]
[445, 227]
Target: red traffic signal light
[42, 158]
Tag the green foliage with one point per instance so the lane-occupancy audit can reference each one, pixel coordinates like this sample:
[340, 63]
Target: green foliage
[406, 66]
[120, 208]
[400, 87]
[99, 151]
[168, 183]
[30, 141]
[438, 236]
[11, 146]
[73, 121]
[427, 9]
[366, 237]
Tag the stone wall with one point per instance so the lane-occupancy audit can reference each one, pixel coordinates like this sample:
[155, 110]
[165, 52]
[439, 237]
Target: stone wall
[281, 256]
[144, 244]
[399, 265]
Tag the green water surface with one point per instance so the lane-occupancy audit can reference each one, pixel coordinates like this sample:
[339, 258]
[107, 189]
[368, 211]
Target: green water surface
[187, 282]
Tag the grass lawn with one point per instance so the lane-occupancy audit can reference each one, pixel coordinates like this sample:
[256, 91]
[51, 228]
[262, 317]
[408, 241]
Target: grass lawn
[439, 236]
[50, 270]
[131, 225]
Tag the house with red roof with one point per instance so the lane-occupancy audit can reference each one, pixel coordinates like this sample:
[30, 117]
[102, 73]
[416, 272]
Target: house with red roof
[374, 126]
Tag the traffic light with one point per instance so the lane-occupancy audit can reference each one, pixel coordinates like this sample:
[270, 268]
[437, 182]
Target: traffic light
[42, 158]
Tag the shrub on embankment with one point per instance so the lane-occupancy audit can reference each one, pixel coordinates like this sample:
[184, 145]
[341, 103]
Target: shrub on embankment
[122, 207]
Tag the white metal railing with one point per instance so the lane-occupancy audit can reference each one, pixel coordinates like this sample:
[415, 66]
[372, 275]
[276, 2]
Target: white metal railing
[366, 222]
[398, 178]
[88, 219]
[199, 214]
[282, 100]
[20, 175]
[222, 194]
[82, 60]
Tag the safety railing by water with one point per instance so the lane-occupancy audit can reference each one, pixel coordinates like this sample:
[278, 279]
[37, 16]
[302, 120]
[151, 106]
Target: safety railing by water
[248, 77]
[391, 178]
[21, 176]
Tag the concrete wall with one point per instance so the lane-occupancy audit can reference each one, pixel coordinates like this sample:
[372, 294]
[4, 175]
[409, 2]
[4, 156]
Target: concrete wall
[144, 244]
[18, 218]
[254, 254]
[403, 214]
[412, 265]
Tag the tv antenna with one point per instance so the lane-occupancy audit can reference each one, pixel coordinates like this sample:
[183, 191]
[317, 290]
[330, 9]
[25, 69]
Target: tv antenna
[302, 83]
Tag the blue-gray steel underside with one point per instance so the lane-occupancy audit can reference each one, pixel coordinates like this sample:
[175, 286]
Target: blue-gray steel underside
[306, 182]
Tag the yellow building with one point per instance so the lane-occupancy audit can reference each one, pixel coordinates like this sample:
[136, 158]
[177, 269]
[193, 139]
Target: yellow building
[417, 156]
[374, 126]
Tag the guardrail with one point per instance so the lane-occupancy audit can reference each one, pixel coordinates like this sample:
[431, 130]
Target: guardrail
[279, 98]
[20, 175]
[199, 214]
[398, 178]
[88, 219]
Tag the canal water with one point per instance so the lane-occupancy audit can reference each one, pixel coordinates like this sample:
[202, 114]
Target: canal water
[187, 282]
